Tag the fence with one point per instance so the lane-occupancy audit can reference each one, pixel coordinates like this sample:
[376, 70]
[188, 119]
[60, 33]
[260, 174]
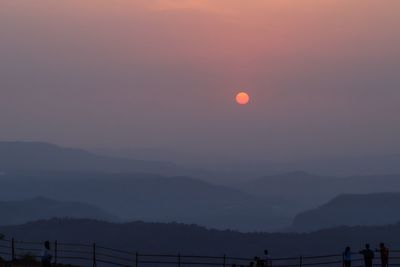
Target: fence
[96, 255]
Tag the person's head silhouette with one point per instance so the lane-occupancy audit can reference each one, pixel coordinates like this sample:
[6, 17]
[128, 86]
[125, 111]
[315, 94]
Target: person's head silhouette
[47, 245]
[367, 246]
[382, 245]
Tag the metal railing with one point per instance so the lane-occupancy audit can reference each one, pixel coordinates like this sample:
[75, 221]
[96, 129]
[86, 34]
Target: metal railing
[96, 255]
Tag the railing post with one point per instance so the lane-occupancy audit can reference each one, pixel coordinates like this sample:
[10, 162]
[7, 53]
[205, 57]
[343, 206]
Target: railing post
[179, 260]
[301, 261]
[137, 259]
[12, 249]
[94, 254]
[224, 260]
[343, 259]
[55, 252]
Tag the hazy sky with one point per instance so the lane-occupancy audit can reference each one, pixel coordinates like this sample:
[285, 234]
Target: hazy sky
[324, 76]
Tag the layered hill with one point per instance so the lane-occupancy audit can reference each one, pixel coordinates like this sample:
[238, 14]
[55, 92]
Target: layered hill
[19, 212]
[299, 191]
[152, 198]
[37, 156]
[351, 210]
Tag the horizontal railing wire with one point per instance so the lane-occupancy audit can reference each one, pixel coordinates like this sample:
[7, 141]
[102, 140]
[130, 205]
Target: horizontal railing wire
[117, 250]
[92, 254]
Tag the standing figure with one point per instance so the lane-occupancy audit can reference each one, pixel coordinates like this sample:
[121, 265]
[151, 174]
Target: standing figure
[368, 255]
[258, 262]
[46, 255]
[267, 259]
[384, 255]
[347, 257]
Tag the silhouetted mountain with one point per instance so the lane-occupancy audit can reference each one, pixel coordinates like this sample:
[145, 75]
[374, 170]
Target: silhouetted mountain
[18, 212]
[349, 166]
[325, 166]
[151, 198]
[351, 210]
[298, 191]
[36, 156]
[253, 166]
[192, 239]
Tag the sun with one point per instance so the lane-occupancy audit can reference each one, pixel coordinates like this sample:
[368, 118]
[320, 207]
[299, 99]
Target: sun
[242, 98]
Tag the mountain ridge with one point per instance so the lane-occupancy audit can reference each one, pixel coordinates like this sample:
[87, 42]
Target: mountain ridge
[351, 210]
[42, 156]
[39, 207]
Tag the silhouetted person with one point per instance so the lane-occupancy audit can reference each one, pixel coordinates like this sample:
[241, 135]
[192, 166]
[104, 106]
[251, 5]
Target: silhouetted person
[46, 255]
[368, 256]
[384, 255]
[347, 257]
[267, 259]
[258, 262]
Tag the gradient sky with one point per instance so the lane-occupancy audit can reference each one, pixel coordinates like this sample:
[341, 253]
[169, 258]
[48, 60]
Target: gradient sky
[324, 76]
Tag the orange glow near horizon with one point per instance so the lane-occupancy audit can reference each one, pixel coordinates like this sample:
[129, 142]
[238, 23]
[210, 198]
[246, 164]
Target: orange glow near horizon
[242, 98]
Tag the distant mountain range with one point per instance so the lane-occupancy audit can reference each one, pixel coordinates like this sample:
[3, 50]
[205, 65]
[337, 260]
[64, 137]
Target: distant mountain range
[36, 156]
[152, 191]
[130, 189]
[298, 191]
[19, 212]
[351, 210]
[191, 239]
[336, 166]
[150, 198]
[46, 156]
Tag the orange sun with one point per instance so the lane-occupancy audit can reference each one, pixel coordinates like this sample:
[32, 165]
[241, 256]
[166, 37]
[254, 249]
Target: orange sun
[242, 98]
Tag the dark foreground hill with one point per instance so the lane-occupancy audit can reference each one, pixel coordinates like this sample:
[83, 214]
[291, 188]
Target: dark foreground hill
[191, 239]
[351, 210]
[19, 212]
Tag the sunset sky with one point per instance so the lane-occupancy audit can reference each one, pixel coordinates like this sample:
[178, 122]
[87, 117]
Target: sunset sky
[323, 76]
